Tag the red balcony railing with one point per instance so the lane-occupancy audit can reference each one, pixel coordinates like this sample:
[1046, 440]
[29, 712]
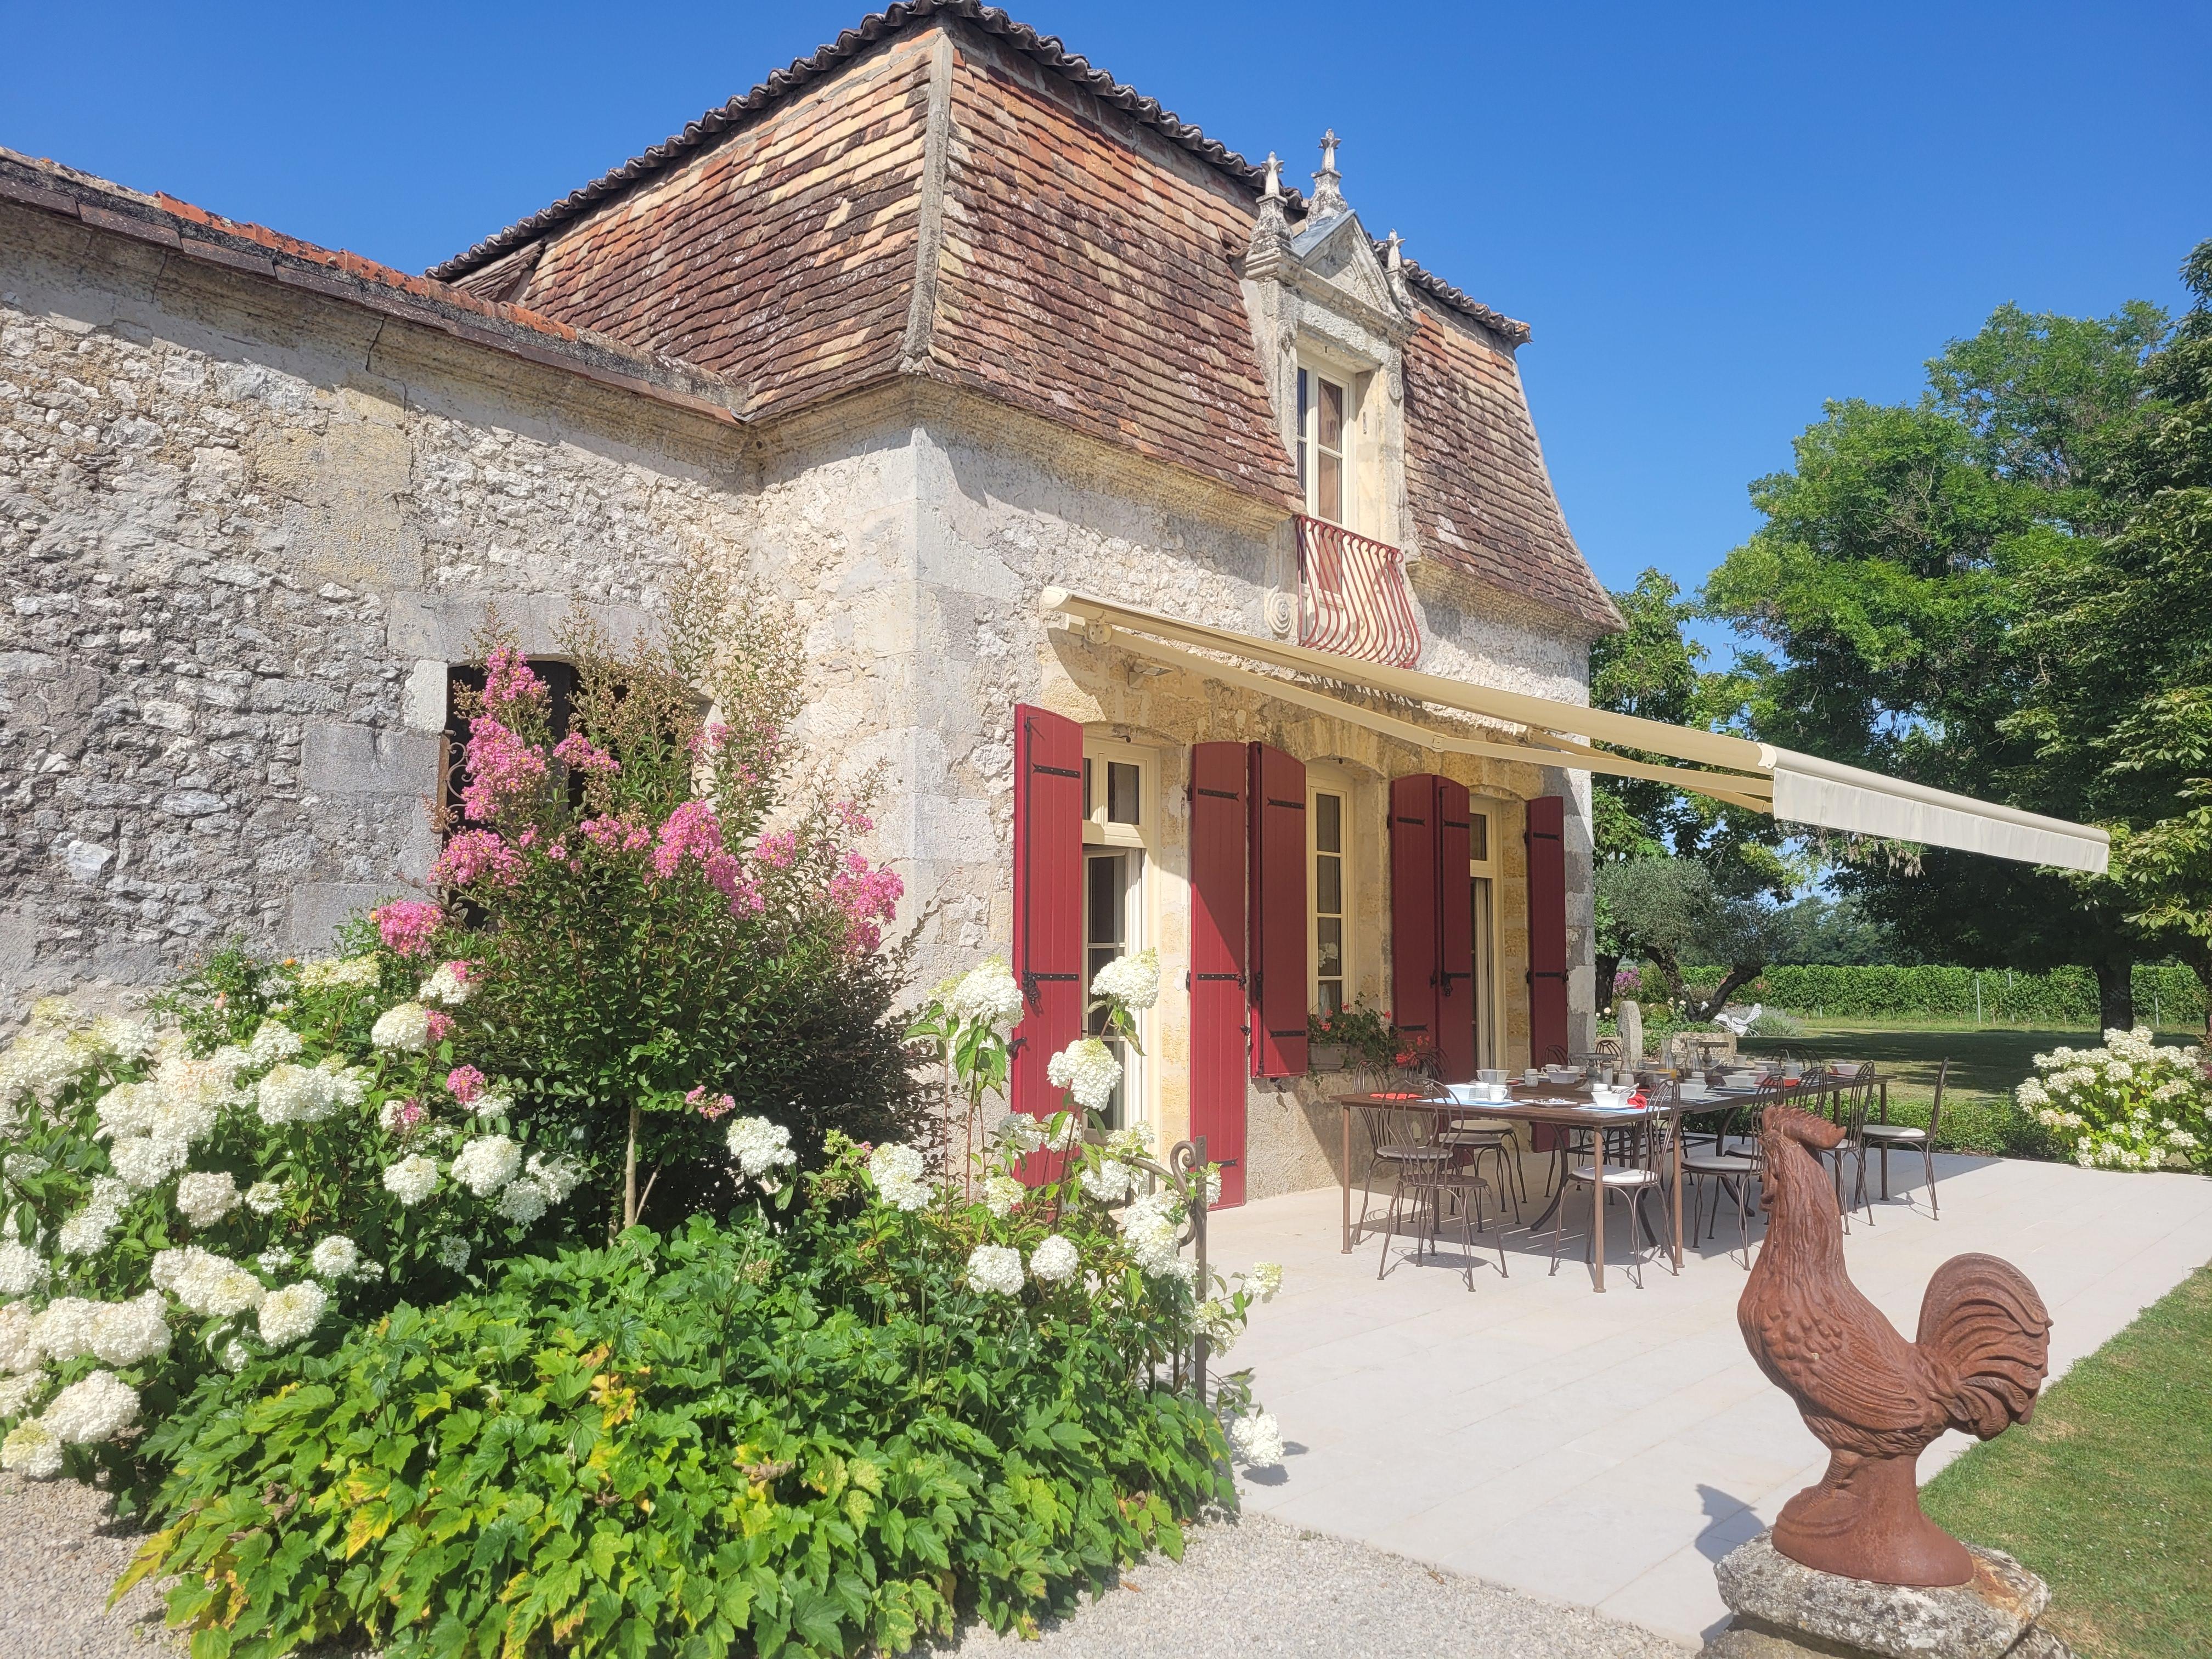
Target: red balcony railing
[1352, 596]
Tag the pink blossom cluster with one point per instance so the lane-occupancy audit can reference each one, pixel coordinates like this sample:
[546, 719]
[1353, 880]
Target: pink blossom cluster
[408, 1114]
[615, 835]
[709, 1107]
[579, 754]
[509, 682]
[477, 855]
[406, 926]
[440, 1025]
[868, 896]
[466, 1083]
[779, 851]
[693, 831]
[502, 768]
[709, 740]
[848, 813]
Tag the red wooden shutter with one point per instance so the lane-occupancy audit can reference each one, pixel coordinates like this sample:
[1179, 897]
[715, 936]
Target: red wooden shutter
[1048, 899]
[1547, 929]
[1278, 959]
[1414, 906]
[1218, 1025]
[1454, 935]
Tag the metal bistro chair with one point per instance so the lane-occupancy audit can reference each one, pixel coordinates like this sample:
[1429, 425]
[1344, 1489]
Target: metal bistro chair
[1479, 1140]
[1905, 1138]
[1851, 1106]
[1426, 1170]
[1730, 1172]
[1641, 1175]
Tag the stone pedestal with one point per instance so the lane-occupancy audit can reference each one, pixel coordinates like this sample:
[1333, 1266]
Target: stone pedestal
[1785, 1611]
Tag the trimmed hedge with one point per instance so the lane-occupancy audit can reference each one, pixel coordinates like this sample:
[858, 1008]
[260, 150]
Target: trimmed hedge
[2065, 999]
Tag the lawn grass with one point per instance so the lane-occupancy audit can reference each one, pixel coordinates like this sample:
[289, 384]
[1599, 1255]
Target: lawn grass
[1979, 1114]
[2107, 1492]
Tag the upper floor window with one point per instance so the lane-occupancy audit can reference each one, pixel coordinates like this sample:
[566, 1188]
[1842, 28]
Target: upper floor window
[1325, 444]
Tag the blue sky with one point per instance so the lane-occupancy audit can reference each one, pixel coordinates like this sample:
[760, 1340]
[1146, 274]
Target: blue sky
[1714, 218]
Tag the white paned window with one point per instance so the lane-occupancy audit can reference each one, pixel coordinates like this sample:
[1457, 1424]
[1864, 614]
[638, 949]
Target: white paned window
[1325, 444]
[1329, 890]
[1489, 1032]
[1120, 813]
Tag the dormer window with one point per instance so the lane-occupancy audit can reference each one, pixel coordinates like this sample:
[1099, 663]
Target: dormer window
[1325, 441]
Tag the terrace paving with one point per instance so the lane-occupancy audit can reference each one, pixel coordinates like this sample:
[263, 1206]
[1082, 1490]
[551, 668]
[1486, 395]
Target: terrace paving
[1604, 1450]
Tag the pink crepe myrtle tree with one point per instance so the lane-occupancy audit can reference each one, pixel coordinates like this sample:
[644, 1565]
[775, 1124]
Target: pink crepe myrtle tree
[663, 901]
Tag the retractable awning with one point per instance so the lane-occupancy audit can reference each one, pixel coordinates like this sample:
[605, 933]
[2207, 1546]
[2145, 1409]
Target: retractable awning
[1793, 787]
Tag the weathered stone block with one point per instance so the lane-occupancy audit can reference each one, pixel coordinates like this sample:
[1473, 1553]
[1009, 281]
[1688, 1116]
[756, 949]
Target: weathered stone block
[338, 758]
[1785, 1610]
[318, 907]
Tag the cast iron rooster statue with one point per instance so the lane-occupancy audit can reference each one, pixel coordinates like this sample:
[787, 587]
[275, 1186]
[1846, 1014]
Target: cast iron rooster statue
[1873, 1399]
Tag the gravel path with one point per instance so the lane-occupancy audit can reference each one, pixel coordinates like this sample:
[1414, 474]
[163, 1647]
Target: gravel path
[1252, 1589]
[60, 1554]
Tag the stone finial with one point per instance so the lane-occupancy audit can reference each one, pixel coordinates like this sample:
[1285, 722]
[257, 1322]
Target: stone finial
[1271, 226]
[1396, 257]
[1328, 199]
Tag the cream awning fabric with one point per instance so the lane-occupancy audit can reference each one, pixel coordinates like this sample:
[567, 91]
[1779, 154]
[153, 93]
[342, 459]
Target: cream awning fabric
[1793, 787]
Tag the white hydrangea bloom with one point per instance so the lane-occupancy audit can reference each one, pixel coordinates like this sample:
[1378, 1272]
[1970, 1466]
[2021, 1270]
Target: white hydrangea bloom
[453, 1252]
[144, 1162]
[1018, 1133]
[49, 1053]
[1256, 1439]
[494, 1102]
[487, 1164]
[411, 1180]
[349, 1084]
[123, 1036]
[96, 1407]
[334, 973]
[1062, 1131]
[32, 1451]
[296, 1094]
[235, 1355]
[211, 1285]
[274, 1259]
[988, 995]
[445, 986]
[1110, 1181]
[23, 1271]
[1133, 981]
[19, 1339]
[128, 1108]
[1054, 1260]
[265, 1197]
[556, 1177]
[289, 1314]
[205, 1196]
[86, 1232]
[995, 1270]
[272, 1042]
[336, 1257]
[65, 1327]
[16, 1393]
[1151, 1226]
[898, 1173]
[521, 1201]
[759, 1146]
[126, 1333]
[404, 1026]
[1087, 1069]
[1002, 1194]
[1266, 1279]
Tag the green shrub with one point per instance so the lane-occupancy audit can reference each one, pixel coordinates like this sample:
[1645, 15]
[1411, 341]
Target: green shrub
[820, 1438]
[2063, 998]
[1773, 1022]
[2130, 1104]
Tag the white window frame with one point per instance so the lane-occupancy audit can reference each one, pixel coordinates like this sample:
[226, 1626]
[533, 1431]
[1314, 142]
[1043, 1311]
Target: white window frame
[1489, 993]
[1326, 781]
[1142, 840]
[1311, 370]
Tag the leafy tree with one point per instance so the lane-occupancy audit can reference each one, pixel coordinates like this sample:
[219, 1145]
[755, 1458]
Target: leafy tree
[1653, 670]
[1671, 913]
[2120, 710]
[1900, 561]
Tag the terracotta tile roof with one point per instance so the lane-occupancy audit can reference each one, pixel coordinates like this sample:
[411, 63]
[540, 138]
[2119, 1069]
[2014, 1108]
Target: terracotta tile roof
[193, 233]
[782, 256]
[1090, 280]
[1481, 499]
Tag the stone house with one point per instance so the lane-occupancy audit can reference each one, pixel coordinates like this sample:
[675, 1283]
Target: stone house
[1183, 555]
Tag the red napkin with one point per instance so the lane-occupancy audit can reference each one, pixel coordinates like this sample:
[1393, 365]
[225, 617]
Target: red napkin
[1636, 1099]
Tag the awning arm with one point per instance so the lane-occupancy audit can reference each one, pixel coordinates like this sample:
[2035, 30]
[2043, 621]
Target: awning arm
[1748, 793]
[1570, 720]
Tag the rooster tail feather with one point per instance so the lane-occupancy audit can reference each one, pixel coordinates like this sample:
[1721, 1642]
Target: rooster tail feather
[1987, 1338]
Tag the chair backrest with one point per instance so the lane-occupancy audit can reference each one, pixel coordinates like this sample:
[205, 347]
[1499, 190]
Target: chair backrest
[1399, 1125]
[1852, 1109]
[1935, 1111]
